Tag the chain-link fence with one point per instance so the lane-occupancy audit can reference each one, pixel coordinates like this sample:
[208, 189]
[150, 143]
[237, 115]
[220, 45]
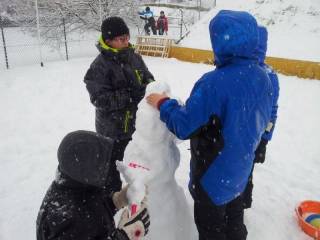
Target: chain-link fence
[21, 46]
[42, 37]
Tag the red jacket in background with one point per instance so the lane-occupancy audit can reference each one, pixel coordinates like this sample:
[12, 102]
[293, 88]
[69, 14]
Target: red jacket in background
[162, 22]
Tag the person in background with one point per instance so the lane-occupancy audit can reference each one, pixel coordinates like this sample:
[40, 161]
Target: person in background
[260, 153]
[116, 82]
[150, 22]
[162, 24]
[224, 117]
[76, 206]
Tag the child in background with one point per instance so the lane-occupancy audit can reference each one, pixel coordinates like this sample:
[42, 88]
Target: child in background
[147, 15]
[260, 153]
[162, 24]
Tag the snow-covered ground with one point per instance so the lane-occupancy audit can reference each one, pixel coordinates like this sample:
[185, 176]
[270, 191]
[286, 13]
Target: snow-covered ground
[40, 105]
[293, 25]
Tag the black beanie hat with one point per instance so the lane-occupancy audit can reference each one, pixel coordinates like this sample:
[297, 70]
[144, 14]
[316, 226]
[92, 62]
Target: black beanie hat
[84, 156]
[112, 27]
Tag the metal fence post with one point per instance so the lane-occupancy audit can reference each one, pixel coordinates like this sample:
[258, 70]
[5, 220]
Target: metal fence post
[199, 8]
[181, 23]
[4, 44]
[38, 32]
[100, 11]
[65, 38]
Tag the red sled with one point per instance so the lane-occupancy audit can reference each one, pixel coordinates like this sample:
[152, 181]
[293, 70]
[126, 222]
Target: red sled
[303, 211]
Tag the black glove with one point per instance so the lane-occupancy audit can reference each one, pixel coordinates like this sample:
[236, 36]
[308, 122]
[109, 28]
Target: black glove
[136, 225]
[260, 153]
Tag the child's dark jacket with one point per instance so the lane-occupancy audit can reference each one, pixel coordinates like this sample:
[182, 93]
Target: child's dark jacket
[72, 210]
[116, 82]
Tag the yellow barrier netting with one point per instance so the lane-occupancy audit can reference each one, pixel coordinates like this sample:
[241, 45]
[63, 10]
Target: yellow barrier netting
[290, 67]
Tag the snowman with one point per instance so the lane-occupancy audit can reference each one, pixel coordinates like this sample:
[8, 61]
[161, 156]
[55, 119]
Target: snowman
[151, 159]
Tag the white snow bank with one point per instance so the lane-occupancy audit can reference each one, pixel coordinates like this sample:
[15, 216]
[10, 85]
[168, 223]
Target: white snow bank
[40, 105]
[294, 26]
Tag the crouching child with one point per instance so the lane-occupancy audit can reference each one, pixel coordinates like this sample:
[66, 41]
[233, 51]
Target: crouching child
[77, 205]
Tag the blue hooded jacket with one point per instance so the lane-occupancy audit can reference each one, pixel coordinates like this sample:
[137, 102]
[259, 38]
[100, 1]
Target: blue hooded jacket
[261, 54]
[239, 92]
[146, 14]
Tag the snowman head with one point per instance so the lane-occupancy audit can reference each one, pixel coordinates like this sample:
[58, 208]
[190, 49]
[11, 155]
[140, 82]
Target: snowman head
[157, 87]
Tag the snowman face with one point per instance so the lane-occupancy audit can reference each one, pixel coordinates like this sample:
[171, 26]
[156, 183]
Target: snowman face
[149, 125]
[148, 121]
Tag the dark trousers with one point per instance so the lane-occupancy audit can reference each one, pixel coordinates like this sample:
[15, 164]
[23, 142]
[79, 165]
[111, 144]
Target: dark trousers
[219, 222]
[161, 31]
[113, 181]
[247, 193]
[147, 28]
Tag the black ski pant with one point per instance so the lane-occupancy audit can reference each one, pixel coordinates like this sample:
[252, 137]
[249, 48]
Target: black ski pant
[223, 222]
[161, 31]
[114, 183]
[147, 28]
[247, 193]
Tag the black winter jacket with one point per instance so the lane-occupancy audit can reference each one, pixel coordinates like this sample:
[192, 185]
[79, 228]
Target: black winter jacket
[116, 82]
[74, 211]
[205, 145]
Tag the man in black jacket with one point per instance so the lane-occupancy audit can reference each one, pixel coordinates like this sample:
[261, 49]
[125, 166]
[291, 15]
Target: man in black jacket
[77, 205]
[116, 82]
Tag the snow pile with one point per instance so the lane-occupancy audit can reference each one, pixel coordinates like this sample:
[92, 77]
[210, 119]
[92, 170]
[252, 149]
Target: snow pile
[153, 156]
[294, 26]
[40, 105]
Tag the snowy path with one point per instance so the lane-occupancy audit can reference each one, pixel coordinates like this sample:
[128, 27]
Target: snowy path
[40, 105]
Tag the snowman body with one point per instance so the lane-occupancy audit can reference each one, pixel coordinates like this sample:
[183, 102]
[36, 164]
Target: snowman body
[153, 147]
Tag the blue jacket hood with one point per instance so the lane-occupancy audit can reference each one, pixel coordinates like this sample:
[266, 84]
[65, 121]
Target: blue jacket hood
[233, 34]
[262, 44]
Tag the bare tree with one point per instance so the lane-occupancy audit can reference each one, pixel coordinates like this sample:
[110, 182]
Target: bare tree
[70, 15]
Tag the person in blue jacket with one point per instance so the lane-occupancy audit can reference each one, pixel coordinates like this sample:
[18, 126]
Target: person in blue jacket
[260, 153]
[224, 117]
[147, 15]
